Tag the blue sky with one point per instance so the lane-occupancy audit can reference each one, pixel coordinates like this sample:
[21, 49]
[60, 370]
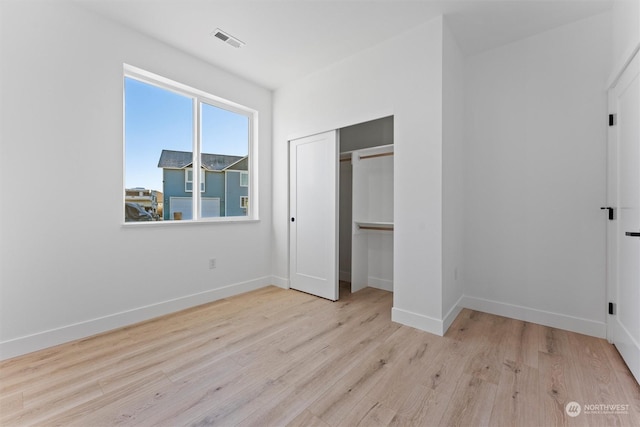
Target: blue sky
[157, 119]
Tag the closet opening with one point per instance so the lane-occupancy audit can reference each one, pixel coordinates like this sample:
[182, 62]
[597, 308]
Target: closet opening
[365, 231]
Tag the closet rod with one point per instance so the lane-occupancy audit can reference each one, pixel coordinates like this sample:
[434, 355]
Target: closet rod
[376, 155]
[346, 160]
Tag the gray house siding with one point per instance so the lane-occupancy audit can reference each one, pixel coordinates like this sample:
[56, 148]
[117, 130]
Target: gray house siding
[174, 186]
[214, 187]
[221, 177]
[234, 193]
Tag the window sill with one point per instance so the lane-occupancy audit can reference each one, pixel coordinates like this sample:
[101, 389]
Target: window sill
[169, 223]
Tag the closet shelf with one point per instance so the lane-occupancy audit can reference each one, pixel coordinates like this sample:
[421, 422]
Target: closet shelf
[375, 225]
[371, 156]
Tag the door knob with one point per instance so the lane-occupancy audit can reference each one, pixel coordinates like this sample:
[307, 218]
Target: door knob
[632, 234]
[293, 219]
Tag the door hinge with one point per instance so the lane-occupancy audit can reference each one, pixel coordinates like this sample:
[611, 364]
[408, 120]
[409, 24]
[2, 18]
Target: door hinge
[612, 119]
[612, 212]
[612, 308]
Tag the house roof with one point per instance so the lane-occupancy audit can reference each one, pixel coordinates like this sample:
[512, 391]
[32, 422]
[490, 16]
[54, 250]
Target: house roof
[170, 159]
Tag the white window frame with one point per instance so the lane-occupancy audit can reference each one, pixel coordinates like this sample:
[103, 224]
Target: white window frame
[187, 181]
[244, 176]
[198, 97]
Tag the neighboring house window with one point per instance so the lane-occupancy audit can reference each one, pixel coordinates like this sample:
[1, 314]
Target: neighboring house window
[170, 130]
[188, 180]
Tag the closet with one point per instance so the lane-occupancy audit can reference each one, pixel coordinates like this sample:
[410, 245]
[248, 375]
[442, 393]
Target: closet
[366, 205]
[341, 218]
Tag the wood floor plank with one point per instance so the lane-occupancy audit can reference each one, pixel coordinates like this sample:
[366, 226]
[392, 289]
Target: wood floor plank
[471, 402]
[220, 397]
[345, 394]
[234, 410]
[430, 396]
[417, 363]
[293, 399]
[305, 419]
[276, 357]
[599, 378]
[417, 409]
[118, 407]
[10, 404]
[631, 390]
[194, 395]
[72, 360]
[517, 389]
[568, 369]
[369, 413]
[552, 394]
[36, 412]
[440, 380]
[522, 343]
[488, 357]
[307, 380]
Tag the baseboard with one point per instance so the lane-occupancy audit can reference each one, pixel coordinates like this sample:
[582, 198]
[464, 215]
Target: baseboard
[384, 284]
[451, 315]
[52, 337]
[418, 321]
[629, 349]
[528, 314]
[280, 282]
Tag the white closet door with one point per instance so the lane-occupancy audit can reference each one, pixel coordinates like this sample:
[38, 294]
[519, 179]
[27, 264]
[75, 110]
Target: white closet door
[314, 214]
[626, 320]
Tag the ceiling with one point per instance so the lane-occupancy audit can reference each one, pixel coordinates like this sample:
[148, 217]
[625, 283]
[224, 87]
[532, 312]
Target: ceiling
[286, 40]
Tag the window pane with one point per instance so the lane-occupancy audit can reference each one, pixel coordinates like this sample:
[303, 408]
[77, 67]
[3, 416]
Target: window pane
[225, 156]
[158, 149]
[188, 180]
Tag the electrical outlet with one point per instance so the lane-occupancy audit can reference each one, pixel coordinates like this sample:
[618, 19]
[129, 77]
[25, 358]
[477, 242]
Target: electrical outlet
[212, 263]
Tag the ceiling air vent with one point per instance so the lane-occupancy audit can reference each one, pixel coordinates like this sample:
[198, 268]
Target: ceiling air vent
[227, 38]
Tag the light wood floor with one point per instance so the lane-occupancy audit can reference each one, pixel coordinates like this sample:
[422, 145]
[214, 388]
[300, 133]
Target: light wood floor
[279, 357]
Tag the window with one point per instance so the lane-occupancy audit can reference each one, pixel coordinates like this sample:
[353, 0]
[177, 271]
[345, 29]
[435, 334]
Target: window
[170, 130]
[188, 180]
[244, 179]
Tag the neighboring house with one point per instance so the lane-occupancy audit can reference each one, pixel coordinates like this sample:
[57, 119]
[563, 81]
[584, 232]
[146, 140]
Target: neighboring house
[224, 184]
[150, 200]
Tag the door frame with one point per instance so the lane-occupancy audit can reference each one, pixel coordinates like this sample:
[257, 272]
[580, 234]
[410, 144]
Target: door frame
[612, 201]
[612, 187]
[613, 184]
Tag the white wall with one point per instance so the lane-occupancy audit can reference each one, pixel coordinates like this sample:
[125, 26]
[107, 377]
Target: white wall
[69, 268]
[345, 226]
[535, 160]
[626, 30]
[400, 77]
[453, 177]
